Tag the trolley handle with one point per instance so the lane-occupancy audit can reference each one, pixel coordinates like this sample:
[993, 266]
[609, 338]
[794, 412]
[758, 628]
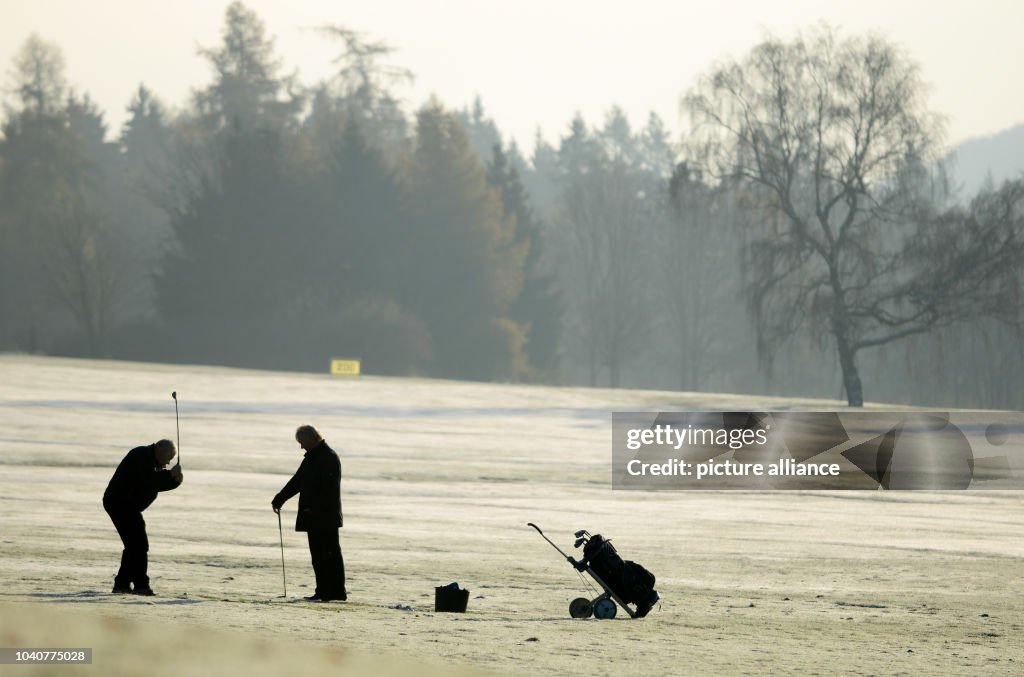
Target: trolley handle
[567, 557]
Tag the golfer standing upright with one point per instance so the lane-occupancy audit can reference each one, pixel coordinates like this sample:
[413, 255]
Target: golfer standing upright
[318, 484]
[138, 478]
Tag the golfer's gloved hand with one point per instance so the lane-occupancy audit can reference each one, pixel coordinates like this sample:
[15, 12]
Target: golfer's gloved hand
[276, 507]
[176, 473]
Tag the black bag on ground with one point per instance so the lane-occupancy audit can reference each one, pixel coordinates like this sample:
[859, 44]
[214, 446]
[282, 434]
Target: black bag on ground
[450, 598]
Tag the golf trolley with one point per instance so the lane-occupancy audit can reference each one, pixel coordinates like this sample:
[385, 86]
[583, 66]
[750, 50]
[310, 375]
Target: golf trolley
[623, 581]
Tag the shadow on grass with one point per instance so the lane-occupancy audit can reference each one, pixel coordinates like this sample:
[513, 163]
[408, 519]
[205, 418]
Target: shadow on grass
[91, 596]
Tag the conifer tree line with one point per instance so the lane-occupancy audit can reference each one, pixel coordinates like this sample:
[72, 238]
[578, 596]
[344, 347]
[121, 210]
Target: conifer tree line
[800, 240]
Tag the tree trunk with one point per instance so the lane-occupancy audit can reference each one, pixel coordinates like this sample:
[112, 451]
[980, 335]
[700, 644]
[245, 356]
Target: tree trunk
[848, 363]
[841, 330]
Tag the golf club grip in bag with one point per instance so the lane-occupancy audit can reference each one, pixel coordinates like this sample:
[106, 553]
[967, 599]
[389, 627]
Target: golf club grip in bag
[630, 581]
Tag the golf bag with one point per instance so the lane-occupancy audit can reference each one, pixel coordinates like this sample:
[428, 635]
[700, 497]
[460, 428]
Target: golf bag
[630, 581]
[623, 582]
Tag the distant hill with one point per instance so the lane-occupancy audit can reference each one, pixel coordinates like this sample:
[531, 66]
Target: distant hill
[1001, 155]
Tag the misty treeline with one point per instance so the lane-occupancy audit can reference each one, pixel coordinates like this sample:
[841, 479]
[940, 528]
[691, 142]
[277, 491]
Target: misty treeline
[801, 240]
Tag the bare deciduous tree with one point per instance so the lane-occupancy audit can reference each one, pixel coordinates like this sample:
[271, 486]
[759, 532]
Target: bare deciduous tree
[85, 271]
[832, 139]
[698, 265]
[602, 225]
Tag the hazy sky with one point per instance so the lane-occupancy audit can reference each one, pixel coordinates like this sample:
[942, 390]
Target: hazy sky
[533, 63]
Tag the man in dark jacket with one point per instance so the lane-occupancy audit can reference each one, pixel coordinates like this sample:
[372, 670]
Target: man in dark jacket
[139, 477]
[318, 484]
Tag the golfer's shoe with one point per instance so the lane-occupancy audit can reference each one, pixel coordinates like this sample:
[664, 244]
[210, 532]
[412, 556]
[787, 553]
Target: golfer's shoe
[145, 592]
[343, 597]
[313, 598]
[122, 590]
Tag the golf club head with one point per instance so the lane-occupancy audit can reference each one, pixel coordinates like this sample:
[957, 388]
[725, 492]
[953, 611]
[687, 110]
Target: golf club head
[174, 394]
[580, 533]
[579, 542]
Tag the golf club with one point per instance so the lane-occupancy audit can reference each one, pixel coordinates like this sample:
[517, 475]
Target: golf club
[177, 426]
[280, 534]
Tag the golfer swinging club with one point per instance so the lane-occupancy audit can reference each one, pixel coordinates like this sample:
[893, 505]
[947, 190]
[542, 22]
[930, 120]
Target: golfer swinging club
[318, 484]
[139, 477]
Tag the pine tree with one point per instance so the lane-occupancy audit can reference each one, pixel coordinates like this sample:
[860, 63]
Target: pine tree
[247, 92]
[463, 265]
[538, 306]
[229, 293]
[62, 250]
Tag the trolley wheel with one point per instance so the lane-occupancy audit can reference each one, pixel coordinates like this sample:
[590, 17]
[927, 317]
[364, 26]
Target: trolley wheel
[581, 608]
[604, 608]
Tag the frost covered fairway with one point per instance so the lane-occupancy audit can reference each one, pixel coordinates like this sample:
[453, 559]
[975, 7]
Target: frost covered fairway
[440, 479]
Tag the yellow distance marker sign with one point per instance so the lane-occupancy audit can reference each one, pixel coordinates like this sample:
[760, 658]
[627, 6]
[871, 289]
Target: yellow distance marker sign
[346, 367]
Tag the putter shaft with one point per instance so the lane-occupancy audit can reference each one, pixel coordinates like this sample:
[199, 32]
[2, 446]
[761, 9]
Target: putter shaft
[177, 426]
[280, 534]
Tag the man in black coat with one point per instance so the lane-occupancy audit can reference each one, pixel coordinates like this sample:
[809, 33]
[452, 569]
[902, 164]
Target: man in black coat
[318, 484]
[139, 477]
